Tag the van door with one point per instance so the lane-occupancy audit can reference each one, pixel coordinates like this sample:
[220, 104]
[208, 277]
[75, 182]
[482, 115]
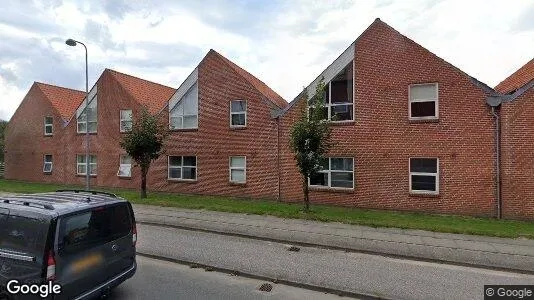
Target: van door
[93, 247]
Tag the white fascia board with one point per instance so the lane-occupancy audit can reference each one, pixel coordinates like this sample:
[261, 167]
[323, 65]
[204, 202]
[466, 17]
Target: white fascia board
[333, 69]
[184, 87]
[91, 96]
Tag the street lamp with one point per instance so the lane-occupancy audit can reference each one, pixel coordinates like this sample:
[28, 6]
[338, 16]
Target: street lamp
[73, 43]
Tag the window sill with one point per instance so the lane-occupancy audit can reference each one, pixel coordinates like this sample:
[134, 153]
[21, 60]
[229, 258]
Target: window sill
[47, 173]
[48, 135]
[238, 127]
[125, 177]
[83, 175]
[184, 129]
[342, 123]
[416, 121]
[83, 133]
[331, 189]
[182, 180]
[237, 183]
[424, 194]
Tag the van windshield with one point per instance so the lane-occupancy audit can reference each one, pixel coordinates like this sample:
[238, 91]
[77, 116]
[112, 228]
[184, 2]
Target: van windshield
[91, 228]
[22, 234]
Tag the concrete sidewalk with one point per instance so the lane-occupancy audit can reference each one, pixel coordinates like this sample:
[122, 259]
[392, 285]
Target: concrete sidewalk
[486, 252]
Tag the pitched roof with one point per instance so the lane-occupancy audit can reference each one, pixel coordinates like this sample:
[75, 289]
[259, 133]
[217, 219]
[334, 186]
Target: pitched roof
[518, 79]
[64, 100]
[153, 96]
[258, 84]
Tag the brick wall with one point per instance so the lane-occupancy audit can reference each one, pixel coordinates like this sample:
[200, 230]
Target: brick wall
[517, 140]
[381, 139]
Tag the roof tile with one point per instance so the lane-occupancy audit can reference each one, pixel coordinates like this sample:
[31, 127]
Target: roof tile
[64, 100]
[518, 79]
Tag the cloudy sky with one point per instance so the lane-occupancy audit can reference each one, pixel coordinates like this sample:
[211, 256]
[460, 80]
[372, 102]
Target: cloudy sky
[284, 43]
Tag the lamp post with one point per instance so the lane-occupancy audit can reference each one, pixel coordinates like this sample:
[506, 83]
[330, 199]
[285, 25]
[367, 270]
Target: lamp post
[73, 43]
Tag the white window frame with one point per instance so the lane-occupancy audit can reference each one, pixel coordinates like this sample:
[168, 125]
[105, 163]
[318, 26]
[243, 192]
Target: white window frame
[329, 172]
[45, 163]
[410, 101]
[121, 165]
[238, 113]
[436, 175]
[328, 105]
[95, 164]
[51, 125]
[181, 168]
[230, 168]
[124, 121]
[183, 115]
[86, 122]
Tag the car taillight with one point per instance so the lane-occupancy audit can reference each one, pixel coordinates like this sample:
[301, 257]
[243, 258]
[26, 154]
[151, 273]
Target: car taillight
[51, 266]
[134, 234]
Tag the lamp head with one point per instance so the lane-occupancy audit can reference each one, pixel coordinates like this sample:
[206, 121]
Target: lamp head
[70, 42]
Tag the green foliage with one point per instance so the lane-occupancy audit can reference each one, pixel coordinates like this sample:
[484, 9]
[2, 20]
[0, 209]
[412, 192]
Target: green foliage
[310, 137]
[144, 143]
[3, 126]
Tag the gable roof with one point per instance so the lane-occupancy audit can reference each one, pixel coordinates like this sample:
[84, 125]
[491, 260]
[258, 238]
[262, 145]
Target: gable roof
[153, 96]
[265, 90]
[64, 100]
[518, 79]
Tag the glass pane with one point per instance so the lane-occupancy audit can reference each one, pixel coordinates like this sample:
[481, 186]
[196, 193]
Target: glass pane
[341, 164]
[92, 126]
[175, 173]
[80, 169]
[190, 101]
[92, 114]
[82, 117]
[125, 170]
[92, 168]
[48, 129]
[81, 127]
[178, 109]
[423, 183]
[239, 106]
[423, 109]
[126, 160]
[237, 175]
[237, 162]
[341, 179]
[126, 125]
[80, 158]
[47, 167]
[319, 179]
[424, 165]
[22, 234]
[190, 122]
[189, 173]
[190, 161]
[49, 120]
[238, 119]
[176, 122]
[48, 158]
[92, 159]
[175, 160]
[340, 92]
[341, 112]
[423, 92]
[126, 115]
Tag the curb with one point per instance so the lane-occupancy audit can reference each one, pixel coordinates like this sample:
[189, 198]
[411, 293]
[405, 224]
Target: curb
[306, 286]
[338, 248]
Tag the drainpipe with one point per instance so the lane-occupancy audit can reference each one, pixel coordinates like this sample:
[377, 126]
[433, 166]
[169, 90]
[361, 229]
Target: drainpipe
[497, 161]
[278, 155]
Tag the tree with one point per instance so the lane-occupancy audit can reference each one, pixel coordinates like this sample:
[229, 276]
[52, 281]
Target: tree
[3, 126]
[310, 138]
[144, 143]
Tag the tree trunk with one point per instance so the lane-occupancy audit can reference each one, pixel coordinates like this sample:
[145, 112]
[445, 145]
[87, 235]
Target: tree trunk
[144, 171]
[306, 194]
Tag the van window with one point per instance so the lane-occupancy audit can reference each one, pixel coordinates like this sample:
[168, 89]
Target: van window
[22, 234]
[92, 228]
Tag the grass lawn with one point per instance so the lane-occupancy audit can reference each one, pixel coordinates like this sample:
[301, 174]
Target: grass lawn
[375, 218]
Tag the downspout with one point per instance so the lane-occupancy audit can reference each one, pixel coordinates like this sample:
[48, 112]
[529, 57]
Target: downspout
[497, 161]
[278, 156]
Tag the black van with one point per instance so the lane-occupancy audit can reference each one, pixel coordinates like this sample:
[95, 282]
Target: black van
[82, 244]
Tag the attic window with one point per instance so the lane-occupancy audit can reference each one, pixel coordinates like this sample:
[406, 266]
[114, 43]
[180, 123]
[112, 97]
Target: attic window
[423, 102]
[184, 115]
[88, 119]
[48, 126]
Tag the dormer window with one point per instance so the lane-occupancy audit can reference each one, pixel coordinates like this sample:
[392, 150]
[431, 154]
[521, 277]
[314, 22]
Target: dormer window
[238, 113]
[423, 102]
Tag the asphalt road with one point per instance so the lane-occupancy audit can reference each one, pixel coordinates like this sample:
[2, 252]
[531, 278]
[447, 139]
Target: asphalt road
[355, 272]
[156, 279]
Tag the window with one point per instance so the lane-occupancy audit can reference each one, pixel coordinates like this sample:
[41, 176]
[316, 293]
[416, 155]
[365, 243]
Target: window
[423, 102]
[338, 97]
[184, 115]
[47, 166]
[126, 120]
[183, 167]
[48, 125]
[238, 169]
[125, 166]
[81, 164]
[424, 175]
[238, 113]
[22, 235]
[88, 118]
[335, 172]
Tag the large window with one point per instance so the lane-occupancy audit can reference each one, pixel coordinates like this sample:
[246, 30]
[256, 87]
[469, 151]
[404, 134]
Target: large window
[338, 97]
[81, 165]
[47, 164]
[424, 175]
[48, 126]
[125, 166]
[336, 172]
[238, 169]
[238, 113]
[182, 167]
[126, 120]
[423, 102]
[184, 115]
[88, 118]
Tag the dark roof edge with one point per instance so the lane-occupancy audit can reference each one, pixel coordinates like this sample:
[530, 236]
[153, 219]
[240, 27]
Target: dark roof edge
[518, 92]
